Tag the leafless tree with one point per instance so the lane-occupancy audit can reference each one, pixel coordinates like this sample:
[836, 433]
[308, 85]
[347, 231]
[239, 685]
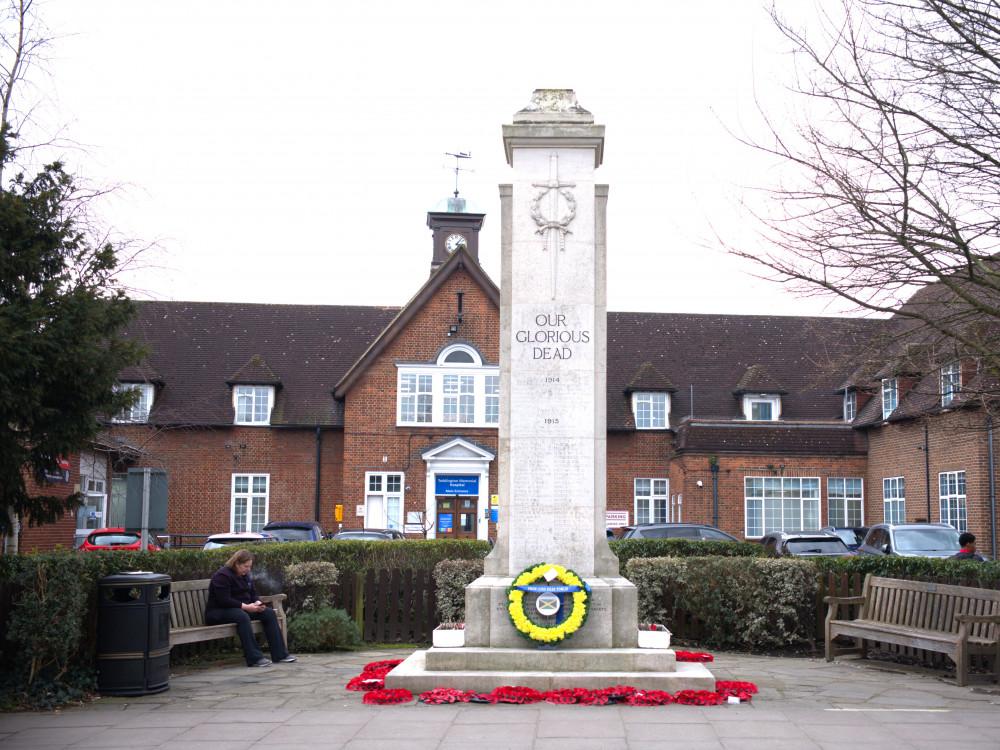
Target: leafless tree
[891, 197]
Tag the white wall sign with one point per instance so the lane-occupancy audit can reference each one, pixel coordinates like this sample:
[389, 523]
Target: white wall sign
[616, 519]
[359, 511]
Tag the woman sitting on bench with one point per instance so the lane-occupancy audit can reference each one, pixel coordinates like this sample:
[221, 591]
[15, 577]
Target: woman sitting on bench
[233, 599]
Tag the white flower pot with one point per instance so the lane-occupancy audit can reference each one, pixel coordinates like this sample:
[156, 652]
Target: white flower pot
[448, 637]
[654, 639]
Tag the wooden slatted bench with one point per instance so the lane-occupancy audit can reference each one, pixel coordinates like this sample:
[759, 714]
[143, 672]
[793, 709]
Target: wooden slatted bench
[187, 614]
[959, 621]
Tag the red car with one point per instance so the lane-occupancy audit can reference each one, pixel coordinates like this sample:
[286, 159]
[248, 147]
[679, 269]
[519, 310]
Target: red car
[114, 539]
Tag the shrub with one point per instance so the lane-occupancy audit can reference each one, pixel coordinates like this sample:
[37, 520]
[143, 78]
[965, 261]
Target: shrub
[745, 603]
[893, 566]
[451, 577]
[626, 549]
[323, 629]
[309, 585]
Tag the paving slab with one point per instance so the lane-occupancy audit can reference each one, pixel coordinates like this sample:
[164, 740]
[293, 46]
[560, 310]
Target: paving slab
[803, 703]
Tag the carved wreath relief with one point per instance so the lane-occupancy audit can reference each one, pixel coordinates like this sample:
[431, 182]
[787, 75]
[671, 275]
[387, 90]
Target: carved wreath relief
[553, 229]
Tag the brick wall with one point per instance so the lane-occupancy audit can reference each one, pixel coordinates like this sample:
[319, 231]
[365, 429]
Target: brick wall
[956, 441]
[54, 535]
[200, 463]
[372, 441]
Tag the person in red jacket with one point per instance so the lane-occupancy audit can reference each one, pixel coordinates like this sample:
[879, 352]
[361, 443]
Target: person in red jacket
[232, 598]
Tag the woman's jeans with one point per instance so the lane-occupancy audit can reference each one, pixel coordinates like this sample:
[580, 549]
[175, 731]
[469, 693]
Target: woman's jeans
[242, 620]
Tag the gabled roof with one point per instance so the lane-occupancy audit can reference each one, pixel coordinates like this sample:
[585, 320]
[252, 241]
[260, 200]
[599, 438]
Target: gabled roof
[194, 347]
[648, 378]
[757, 380]
[254, 372]
[459, 260]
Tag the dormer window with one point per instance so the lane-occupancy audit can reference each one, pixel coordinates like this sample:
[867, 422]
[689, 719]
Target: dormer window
[139, 411]
[762, 407]
[890, 396]
[850, 405]
[951, 381]
[253, 403]
[651, 410]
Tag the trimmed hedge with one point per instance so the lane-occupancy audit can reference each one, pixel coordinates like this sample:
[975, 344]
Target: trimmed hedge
[450, 579]
[910, 567]
[46, 658]
[745, 603]
[626, 549]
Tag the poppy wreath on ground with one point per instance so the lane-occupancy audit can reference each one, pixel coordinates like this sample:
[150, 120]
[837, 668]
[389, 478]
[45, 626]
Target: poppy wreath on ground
[650, 698]
[363, 683]
[741, 690]
[570, 624]
[437, 696]
[387, 697]
[698, 698]
[694, 656]
[516, 694]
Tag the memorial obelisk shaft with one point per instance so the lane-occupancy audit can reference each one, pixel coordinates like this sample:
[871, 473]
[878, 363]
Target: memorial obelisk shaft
[553, 321]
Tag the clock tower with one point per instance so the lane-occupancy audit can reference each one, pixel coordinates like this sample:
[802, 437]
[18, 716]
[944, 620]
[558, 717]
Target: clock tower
[451, 228]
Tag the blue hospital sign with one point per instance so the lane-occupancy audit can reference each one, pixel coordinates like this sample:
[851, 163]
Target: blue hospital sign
[458, 484]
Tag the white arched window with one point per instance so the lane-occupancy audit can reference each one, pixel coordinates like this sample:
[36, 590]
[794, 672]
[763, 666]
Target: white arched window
[457, 389]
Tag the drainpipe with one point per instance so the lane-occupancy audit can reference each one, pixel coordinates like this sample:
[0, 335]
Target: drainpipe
[993, 491]
[714, 466]
[927, 472]
[318, 444]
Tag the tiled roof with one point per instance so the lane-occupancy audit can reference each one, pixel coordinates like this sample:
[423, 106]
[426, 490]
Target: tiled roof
[195, 347]
[757, 379]
[704, 356]
[812, 438]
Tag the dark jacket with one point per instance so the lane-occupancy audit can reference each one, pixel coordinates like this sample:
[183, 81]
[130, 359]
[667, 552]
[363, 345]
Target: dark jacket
[966, 555]
[228, 590]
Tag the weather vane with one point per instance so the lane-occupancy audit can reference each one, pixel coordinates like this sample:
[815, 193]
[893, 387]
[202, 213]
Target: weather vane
[459, 155]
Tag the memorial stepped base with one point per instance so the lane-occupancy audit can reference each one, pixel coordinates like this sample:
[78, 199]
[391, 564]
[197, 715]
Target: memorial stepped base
[484, 669]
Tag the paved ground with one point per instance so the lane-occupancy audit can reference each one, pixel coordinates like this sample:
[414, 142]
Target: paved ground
[803, 703]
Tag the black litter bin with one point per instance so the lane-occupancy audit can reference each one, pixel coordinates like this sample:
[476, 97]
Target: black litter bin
[133, 633]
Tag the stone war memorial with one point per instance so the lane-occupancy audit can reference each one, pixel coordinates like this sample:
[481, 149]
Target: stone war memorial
[551, 610]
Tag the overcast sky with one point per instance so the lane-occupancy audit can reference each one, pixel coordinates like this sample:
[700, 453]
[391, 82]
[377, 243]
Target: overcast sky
[289, 151]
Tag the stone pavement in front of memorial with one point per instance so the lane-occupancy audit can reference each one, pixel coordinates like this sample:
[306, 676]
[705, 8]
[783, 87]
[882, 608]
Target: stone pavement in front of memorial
[803, 703]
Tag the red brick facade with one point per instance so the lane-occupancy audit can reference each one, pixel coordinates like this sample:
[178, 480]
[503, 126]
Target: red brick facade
[362, 435]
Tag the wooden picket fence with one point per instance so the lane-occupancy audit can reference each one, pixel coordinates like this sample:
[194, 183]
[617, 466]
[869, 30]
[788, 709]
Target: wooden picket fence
[391, 606]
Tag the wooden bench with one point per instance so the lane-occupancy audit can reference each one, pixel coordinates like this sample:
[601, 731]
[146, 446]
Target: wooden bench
[959, 621]
[187, 614]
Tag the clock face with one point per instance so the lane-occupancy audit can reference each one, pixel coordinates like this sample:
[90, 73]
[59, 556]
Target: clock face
[453, 241]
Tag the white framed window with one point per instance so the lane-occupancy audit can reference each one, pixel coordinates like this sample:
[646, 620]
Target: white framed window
[845, 501]
[781, 504]
[651, 410]
[250, 499]
[384, 500]
[253, 403]
[456, 389]
[850, 405]
[762, 408]
[492, 399]
[951, 488]
[139, 412]
[415, 398]
[894, 499]
[890, 396]
[951, 382]
[651, 499]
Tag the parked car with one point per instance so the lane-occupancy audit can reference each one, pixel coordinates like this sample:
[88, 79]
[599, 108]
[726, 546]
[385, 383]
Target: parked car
[911, 540]
[295, 531]
[677, 531]
[114, 539]
[853, 536]
[387, 535]
[238, 537]
[805, 544]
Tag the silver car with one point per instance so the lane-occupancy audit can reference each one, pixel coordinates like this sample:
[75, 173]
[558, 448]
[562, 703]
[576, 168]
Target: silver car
[911, 540]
